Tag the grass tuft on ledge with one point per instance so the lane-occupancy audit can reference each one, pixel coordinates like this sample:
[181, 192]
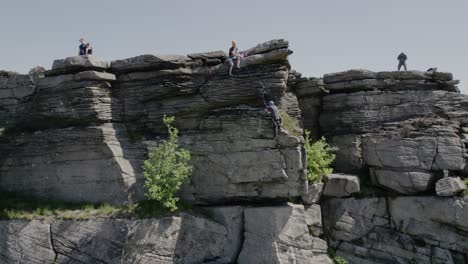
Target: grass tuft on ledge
[14, 207]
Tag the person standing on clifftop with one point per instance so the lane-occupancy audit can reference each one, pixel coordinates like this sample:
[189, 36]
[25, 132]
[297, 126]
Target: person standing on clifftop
[234, 55]
[402, 61]
[82, 47]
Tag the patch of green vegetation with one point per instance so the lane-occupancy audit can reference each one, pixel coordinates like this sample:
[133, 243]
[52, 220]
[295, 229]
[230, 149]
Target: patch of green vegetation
[2, 131]
[290, 123]
[167, 167]
[320, 156]
[16, 207]
[336, 259]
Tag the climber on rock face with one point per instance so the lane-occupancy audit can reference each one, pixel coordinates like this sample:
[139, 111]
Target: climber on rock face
[234, 55]
[274, 113]
[82, 47]
[402, 61]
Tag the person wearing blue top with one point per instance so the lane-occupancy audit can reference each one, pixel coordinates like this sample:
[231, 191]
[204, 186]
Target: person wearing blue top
[82, 47]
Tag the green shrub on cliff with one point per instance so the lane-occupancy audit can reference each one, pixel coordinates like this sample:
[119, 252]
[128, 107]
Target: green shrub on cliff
[167, 167]
[320, 156]
[290, 123]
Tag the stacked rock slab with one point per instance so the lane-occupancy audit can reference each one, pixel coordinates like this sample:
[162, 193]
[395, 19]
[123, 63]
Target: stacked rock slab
[16, 92]
[398, 230]
[401, 132]
[221, 119]
[88, 131]
[277, 234]
[71, 146]
[404, 126]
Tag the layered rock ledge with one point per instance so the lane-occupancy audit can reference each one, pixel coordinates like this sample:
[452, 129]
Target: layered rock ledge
[219, 235]
[82, 132]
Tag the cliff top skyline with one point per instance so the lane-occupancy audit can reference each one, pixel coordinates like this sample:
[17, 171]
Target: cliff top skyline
[326, 36]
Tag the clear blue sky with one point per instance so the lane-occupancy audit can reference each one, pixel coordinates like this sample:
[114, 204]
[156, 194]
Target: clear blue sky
[325, 35]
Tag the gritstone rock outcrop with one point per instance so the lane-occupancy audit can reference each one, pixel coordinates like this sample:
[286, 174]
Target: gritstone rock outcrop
[400, 133]
[81, 132]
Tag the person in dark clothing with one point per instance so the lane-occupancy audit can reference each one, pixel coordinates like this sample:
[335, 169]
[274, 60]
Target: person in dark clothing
[234, 55]
[402, 61]
[275, 116]
[89, 49]
[82, 47]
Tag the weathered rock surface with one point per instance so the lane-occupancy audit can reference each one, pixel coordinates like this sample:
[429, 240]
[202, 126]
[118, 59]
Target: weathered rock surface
[86, 133]
[341, 185]
[92, 164]
[404, 182]
[216, 238]
[25, 242]
[441, 222]
[450, 186]
[77, 99]
[398, 230]
[406, 127]
[348, 219]
[280, 235]
[77, 64]
[16, 91]
[81, 133]
[314, 192]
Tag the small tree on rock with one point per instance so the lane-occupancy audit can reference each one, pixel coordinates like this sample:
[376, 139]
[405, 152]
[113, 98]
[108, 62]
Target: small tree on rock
[320, 156]
[167, 167]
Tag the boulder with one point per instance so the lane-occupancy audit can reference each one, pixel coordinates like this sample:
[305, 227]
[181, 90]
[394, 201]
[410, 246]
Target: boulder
[76, 64]
[314, 219]
[438, 221]
[404, 182]
[217, 55]
[348, 154]
[450, 186]
[424, 152]
[279, 234]
[350, 75]
[232, 218]
[314, 192]
[81, 99]
[148, 61]
[383, 245]
[341, 185]
[363, 80]
[151, 241]
[268, 46]
[350, 219]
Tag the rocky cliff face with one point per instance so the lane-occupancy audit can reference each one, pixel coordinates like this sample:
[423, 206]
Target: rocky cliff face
[82, 132]
[90, 125]
[402, 135]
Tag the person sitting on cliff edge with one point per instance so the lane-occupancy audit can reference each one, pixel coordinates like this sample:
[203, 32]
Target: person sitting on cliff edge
[274, 113]
[82, 47]
[402, 61]
[234, 55]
